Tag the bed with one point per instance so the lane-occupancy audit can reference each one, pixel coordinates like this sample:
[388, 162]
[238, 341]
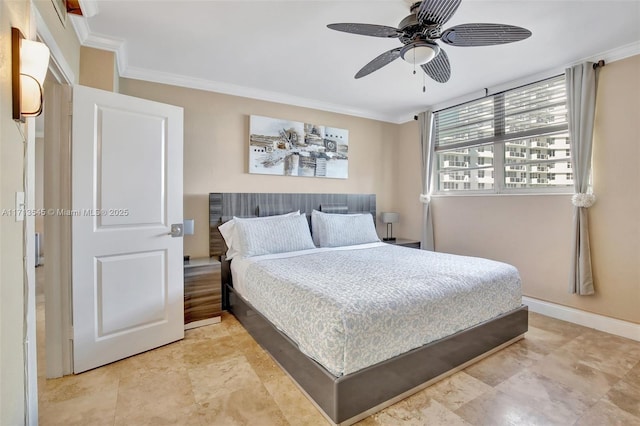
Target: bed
[379, 341]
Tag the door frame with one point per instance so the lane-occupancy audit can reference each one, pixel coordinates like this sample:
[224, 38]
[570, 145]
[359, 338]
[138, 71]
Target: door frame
[57, 239]
[57, 178]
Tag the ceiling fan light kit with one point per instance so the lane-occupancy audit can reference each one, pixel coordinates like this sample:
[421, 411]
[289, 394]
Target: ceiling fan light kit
[419, 52]
[419, 32]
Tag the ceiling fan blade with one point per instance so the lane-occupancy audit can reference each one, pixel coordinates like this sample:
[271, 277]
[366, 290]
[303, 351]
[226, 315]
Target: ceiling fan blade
[438, 68]
[379, 62]
[367, 29]
[437, 11]
[483, 34]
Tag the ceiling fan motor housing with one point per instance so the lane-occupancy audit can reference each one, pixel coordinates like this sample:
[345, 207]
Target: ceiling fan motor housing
[412, 29]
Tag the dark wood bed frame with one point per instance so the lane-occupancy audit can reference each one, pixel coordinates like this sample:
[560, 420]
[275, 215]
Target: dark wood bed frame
[347, 399]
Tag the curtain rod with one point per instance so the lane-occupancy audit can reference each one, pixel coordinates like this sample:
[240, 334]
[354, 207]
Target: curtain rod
[596, 65]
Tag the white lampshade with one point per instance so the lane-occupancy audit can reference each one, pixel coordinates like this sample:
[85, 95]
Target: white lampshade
[29, 65]
[419, 52]
[34, 59]
[390, 217]
[188, 226]
[34, 62]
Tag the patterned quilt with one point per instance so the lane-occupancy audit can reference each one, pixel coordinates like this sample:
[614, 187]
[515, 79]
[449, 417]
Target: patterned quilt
[355, 307]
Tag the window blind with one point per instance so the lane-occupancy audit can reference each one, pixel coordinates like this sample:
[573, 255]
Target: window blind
[537, 109]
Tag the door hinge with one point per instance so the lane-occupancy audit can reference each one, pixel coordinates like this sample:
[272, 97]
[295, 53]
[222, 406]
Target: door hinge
[70, 333]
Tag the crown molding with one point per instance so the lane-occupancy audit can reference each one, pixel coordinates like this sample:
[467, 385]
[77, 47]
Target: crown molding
[249, 92]
[613, 55]
[87, 38]
[98, 41]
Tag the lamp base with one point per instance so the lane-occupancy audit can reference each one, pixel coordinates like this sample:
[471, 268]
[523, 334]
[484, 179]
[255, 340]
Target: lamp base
[389, 239]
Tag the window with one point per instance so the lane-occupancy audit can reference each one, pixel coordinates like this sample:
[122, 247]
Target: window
[514, 141]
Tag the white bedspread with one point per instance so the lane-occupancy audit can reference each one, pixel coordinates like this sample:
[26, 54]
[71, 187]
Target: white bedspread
[352, 307]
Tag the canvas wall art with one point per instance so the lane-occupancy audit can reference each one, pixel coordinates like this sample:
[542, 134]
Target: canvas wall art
[291, 148]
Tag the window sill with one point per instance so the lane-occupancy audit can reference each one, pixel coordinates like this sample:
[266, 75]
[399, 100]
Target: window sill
[502, 194]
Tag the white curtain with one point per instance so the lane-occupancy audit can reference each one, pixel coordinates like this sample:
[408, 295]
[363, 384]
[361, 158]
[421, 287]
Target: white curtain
[581, 102]
[427, 141]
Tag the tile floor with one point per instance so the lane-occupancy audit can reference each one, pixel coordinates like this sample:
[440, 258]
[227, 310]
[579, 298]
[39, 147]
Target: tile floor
[560, 374]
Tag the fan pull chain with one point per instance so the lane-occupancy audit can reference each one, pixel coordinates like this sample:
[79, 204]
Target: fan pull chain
[414, 61]
[424, 84]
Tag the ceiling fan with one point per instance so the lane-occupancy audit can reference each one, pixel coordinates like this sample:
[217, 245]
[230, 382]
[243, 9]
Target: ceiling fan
[419, 31]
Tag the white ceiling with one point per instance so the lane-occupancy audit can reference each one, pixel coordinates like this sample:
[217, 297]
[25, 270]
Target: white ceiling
[282, 50]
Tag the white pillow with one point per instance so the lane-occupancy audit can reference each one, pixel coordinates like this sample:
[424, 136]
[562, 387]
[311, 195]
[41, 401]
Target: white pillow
[315, 231]
[228, 232]
[277, 235]
[337, 230]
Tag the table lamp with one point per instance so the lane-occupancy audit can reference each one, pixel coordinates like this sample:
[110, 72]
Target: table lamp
[389, 218]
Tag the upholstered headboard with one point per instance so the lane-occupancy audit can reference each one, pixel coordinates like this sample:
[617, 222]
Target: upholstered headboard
[224, 205]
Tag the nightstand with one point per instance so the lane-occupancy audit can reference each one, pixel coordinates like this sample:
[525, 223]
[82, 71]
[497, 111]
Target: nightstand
[202, 292]
[405, 243]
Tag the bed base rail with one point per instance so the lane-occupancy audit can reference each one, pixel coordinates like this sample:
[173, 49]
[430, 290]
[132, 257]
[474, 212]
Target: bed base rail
[346, 399]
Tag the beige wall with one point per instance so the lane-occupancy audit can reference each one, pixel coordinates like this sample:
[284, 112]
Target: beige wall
[407, 182]
[98, 69]
[534, 232]
[615, 218]
[384, 159]
[12, 13]
[216, 147]
[65, 36]
[12, 363]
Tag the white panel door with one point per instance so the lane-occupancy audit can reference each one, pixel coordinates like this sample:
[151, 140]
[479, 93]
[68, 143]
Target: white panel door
[127, 270]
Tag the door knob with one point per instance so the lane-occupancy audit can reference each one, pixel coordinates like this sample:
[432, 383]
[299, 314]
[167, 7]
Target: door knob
[177, 230]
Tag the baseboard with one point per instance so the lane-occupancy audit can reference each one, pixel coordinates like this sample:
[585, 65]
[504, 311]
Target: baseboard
[599, 322]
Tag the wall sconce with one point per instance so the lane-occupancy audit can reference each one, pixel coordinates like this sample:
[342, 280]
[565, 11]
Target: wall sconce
[29, 64]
